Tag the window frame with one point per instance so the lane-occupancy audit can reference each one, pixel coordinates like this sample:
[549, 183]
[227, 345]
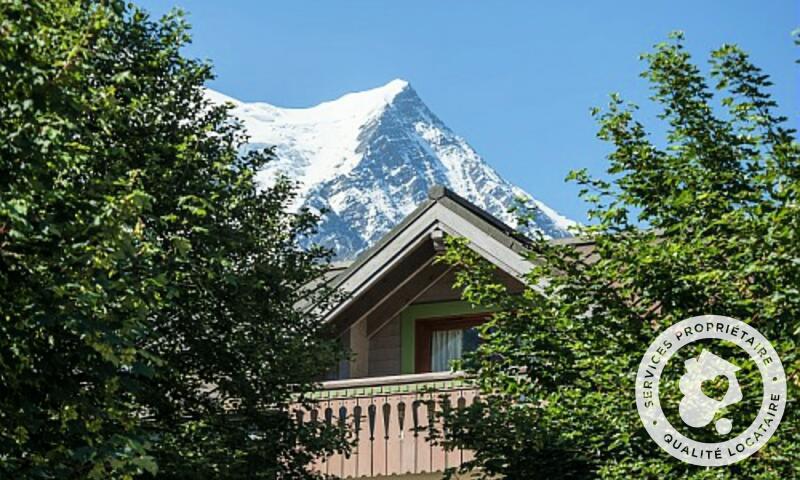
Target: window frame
[423, 333]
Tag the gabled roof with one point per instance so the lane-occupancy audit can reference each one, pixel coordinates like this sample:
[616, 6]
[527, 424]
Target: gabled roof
[412, 244]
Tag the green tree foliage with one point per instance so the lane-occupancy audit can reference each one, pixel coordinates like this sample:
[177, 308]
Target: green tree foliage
[149, 290]
[706, 224]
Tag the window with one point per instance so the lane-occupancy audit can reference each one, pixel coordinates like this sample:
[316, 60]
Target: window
[439, 341]
[449, 345]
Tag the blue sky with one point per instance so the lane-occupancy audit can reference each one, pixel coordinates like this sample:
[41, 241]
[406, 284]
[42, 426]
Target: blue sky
[515, 78]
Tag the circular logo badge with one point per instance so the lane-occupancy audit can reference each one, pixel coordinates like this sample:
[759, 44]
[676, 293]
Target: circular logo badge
[698, 410]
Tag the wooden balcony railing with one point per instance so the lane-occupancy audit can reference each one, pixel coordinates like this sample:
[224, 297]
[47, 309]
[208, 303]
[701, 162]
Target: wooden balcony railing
[391, 418]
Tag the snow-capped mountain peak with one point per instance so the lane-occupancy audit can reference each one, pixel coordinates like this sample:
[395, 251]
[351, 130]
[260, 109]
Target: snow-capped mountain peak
[368, 158]
[359, 104]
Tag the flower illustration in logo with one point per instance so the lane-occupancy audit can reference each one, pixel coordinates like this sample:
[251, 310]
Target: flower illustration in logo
[696, 408]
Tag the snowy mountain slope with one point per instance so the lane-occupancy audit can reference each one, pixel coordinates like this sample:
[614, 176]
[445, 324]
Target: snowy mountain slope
[370, 157]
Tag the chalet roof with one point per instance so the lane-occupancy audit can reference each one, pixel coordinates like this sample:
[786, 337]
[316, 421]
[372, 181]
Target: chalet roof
[401, 254]
[478, 217]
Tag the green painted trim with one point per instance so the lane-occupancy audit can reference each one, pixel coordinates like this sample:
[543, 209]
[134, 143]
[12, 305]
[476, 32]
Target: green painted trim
[409, 316]
[422, 387]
